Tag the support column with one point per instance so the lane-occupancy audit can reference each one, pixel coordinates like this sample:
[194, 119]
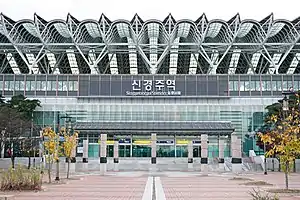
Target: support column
[103, 158]
[153, 152]
[190, 155]
[221, 153]
[85, 154]
[236, 154]
[116, 156]
[204, 153]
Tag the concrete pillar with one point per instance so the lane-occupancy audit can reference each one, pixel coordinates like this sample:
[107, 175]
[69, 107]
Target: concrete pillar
[190, 154]
[116, 156]
[153, 152]
[221, 153]
[204, 153]
[85, 154]
[236, 153]
[103, 158]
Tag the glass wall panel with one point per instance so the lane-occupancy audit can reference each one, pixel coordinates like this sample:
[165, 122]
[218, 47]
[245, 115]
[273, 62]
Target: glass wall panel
[165, 151]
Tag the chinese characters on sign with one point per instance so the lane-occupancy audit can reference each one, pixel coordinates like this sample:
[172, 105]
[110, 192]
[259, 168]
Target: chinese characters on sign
[153, 88]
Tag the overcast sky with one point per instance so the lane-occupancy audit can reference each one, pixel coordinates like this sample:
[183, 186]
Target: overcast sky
[150, 9]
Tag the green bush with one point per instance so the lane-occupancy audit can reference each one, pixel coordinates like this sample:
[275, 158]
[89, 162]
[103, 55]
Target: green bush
[21, 179]
[258, 195]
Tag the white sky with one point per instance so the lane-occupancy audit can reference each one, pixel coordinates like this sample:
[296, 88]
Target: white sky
[150, 9]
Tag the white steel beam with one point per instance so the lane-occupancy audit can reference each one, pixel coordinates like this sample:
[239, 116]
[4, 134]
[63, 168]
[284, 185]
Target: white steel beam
[132, 57]
[254, 62]
[234, 61]
[52, 62]
[72, 61]
[174, 57]
[213, 62]
[153, 53]
[193, 64]
[13, 64]
[113, 64]
[294, 64]
[276, 58]
[32, 62]
[92, 59]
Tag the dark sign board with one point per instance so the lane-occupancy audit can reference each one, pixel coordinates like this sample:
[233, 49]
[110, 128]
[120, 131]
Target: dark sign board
[152, 85]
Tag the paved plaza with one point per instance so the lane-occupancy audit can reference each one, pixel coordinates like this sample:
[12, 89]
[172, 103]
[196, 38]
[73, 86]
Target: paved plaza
[158, 186]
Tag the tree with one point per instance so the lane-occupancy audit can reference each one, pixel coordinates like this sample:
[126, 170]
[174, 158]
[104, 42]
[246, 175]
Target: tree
[283, 137]
[23, 113]
[69, 146]
[12, 126]
[51, 144]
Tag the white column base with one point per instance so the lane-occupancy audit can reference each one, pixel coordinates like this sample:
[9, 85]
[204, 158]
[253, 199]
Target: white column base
[237, 168]
[116, 167]
[85, 166]
[72, 168]
[221, 167]
[204, 168]
[153, 168]
[190, 166]
[103, 168]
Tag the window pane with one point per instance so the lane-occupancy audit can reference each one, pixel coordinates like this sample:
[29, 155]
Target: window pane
[65, 85]
[60, 86]
[21, 85]
[242, 86]
[43, 85]
[28, 87]
[11, 86]
[49, 83]
[38, 85]
[53, 85]
[33, 86]
[71, 85]
[75, 85]
[6, 85]
[1, 85]
[296, 85]
[257, 85]
[17, 85]
[231, 85]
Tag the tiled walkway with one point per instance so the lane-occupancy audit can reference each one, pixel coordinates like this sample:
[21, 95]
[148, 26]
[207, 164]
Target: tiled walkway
[163, 186]
[92, 188]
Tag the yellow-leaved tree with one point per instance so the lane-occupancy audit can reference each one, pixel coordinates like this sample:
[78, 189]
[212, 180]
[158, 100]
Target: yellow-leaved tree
[51, 147]
[69, 146]
[284, 139]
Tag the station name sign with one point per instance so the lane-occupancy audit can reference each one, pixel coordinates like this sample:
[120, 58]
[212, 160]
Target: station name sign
[153, 88]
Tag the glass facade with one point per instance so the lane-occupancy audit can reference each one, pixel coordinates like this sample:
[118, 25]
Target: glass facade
[240, 99]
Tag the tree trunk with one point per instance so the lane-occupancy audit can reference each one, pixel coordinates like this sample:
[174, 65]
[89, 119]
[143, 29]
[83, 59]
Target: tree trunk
[68, 171]
[286, 176]
[29, 162]
[57, 171]
[49, 172]
[12, 161]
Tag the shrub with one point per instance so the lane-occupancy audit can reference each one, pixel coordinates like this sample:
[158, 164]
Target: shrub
[258, 195]
[21, 179]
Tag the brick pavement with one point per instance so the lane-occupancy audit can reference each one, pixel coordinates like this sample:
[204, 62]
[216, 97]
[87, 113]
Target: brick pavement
[92, 188]
[171, 186]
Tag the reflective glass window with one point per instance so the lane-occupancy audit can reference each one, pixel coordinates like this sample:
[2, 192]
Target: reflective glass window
[65, 85]
[75, 85]
[278, 86]
[247, 85]
[49, 84]
[22, 84]
[43, 85]
[71, 85]
[38, 85]
[242, 85]
[285, 85]
[1, 85]
[257, 85]
[11, 86]
[17, 85]
[296, 85]
[6, 85]
[54, 85]
[33, 85]
[60, 86]
[28, 87]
